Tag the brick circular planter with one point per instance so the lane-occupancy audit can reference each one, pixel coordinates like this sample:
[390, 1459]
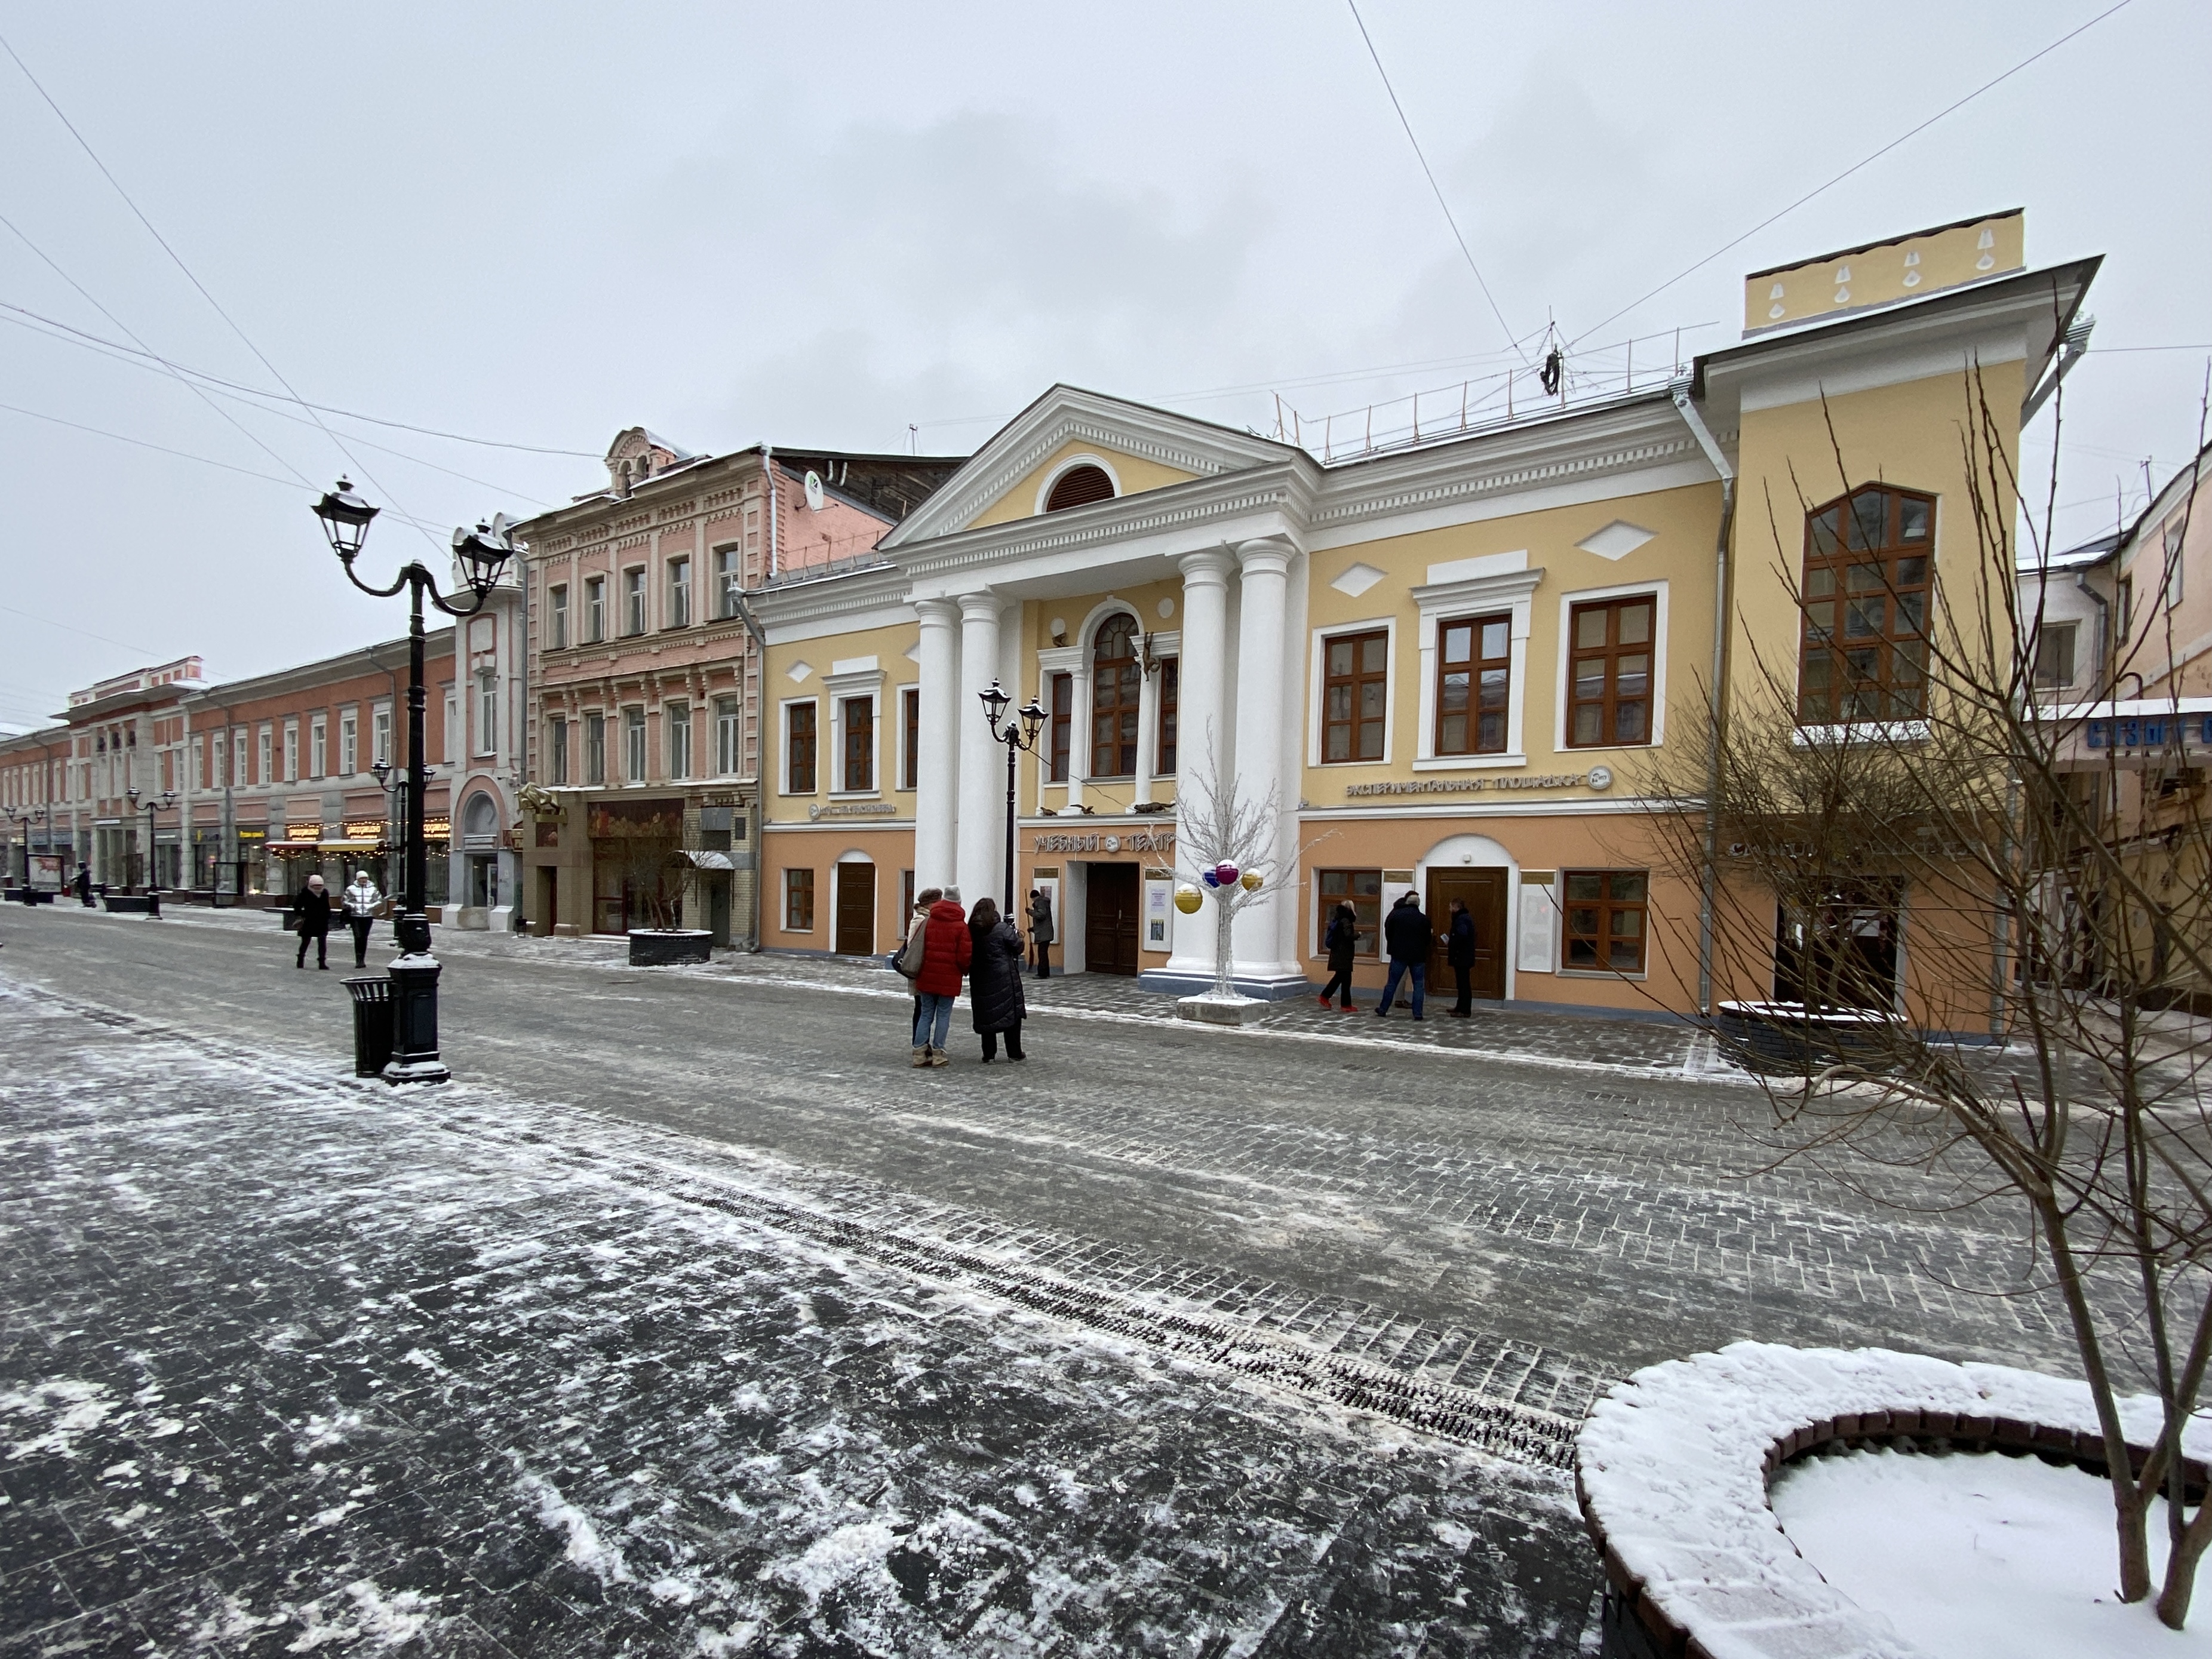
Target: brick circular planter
[649, 949]
[1673, 1466]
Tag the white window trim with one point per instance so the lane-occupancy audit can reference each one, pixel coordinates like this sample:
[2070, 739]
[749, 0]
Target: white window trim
[689, 588]
[1060, 471]
[691, 739]
[291, 754]
[1862, 732]
[644, 728]
[1318, 680]
[783, 746]
[644, 601]
[783, 881]
[318, 741]
[1512, 592]
[902, 691]
[737, 749]
[736, 552]
[1591, 595]
[863, 683]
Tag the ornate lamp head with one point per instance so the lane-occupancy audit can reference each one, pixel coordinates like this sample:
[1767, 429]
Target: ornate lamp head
[994, 705]
[345, 518]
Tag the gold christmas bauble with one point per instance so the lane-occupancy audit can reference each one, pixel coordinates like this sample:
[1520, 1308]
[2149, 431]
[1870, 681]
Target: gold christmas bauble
[1250, 881]
[1189, 898]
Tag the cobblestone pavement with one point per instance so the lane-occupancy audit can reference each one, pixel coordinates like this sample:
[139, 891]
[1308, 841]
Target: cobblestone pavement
[1365, 1279]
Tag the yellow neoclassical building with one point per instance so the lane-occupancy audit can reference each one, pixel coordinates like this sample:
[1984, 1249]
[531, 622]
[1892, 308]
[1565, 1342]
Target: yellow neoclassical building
[1444, 663]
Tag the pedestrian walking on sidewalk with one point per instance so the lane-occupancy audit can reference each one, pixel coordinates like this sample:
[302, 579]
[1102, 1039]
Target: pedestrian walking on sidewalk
[362, 900]
[1409, 938]
[311, 920]
[947, 950]
[907, 959]
[84, 885]
[1342, 943]
[1459, 951]
[1041, 934]
[994, 980]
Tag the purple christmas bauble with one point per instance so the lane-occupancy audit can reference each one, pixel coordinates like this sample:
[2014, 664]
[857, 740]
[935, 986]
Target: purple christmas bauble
[1224, 872]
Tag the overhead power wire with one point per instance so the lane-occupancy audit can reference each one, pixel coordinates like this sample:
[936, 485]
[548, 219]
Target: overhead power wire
[178, 260]
[1429, 173]
[181, 454]
[328, 408]
[178, 375]
[70, 627]
[124, 355]
[1855, 166]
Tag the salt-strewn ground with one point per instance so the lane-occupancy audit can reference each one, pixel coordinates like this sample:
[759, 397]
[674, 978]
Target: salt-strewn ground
[290, 1364]
[1980, 1557]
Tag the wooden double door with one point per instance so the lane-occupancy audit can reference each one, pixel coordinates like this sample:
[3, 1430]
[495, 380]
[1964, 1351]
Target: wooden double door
[856, 910]
[1110, 919]
[1483, 888]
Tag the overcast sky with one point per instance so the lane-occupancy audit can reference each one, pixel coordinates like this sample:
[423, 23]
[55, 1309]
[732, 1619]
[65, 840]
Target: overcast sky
[540, 222]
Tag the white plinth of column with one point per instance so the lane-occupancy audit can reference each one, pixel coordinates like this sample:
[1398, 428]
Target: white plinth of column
[980, 840]
[937, 756]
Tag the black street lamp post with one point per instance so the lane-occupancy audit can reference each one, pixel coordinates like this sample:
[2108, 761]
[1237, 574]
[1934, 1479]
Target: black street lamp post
[26, 816]
[482, 554]
[168, 798]
[1019, 739]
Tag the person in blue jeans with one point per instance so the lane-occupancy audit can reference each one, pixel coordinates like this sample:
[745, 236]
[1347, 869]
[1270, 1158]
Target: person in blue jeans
[1408, 938]
[947, 950]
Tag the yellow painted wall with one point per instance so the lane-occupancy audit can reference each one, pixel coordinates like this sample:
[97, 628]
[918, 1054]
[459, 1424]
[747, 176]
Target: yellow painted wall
[1136, 474]
[1911, 435]
[1685, 523]
[889, 645]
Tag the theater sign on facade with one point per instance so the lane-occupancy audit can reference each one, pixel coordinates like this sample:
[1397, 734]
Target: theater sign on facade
[1447, 664]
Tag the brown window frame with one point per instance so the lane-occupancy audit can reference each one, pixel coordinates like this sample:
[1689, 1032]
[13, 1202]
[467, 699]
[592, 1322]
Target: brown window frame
[857, 754]
[801, 772]
[1609, 701]
[1333, 888]
[1477, 666]
[1355, 682]
[1600, 935]
[1062, 690]
[1125, 675]
[1170, 699]
[910, 717]
[1855, 563]
[799, 901]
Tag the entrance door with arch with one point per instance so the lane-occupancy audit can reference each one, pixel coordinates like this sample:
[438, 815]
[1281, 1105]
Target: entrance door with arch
[856, 909]
[1483, 890]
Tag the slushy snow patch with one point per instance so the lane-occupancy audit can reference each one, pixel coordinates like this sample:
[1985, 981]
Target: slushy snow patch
[1671, 1466]
[1979, 1557]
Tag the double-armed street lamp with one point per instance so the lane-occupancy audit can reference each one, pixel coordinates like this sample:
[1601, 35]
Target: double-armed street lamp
[167, 799]
[1019, 739]
[482, 554]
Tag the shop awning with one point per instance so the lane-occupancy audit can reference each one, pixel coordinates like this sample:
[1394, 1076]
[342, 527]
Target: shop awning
[706, 860]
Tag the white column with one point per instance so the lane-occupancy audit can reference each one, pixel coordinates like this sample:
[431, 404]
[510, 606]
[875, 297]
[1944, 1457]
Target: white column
[937, 760]
[981, 845]
[1265, 567]
[1204, 742]
[1078, 732]
[1148, 719]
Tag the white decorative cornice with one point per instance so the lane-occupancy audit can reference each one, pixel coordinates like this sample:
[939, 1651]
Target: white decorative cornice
[1067, 415]
[1286, 488]
[792, 604]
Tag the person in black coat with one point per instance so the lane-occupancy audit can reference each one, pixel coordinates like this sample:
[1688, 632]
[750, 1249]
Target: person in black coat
[1459, 951]
[1041, 932]
[1342, 942]
[84, 885]
[311, 920]
[994, 980]
[1409, 938]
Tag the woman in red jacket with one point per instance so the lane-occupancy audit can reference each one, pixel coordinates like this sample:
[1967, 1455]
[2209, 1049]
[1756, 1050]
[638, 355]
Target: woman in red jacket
[947, 949]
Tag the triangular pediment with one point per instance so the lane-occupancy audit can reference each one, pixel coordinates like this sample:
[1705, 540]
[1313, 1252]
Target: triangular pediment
[1142, 447]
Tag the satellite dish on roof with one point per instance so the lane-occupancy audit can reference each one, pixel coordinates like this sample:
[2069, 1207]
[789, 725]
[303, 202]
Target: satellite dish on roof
[814, 491]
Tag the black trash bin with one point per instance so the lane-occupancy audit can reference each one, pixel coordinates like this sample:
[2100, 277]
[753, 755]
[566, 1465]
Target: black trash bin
[371, 1023]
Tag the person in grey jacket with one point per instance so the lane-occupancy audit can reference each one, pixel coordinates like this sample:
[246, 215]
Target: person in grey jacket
[1041, 933]
[994, 980]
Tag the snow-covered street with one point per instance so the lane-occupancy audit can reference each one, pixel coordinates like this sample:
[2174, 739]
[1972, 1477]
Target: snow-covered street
[689, 1320]
[293, 1364]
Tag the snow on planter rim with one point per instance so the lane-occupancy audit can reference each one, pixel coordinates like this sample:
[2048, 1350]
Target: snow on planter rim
[1672, 1469]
